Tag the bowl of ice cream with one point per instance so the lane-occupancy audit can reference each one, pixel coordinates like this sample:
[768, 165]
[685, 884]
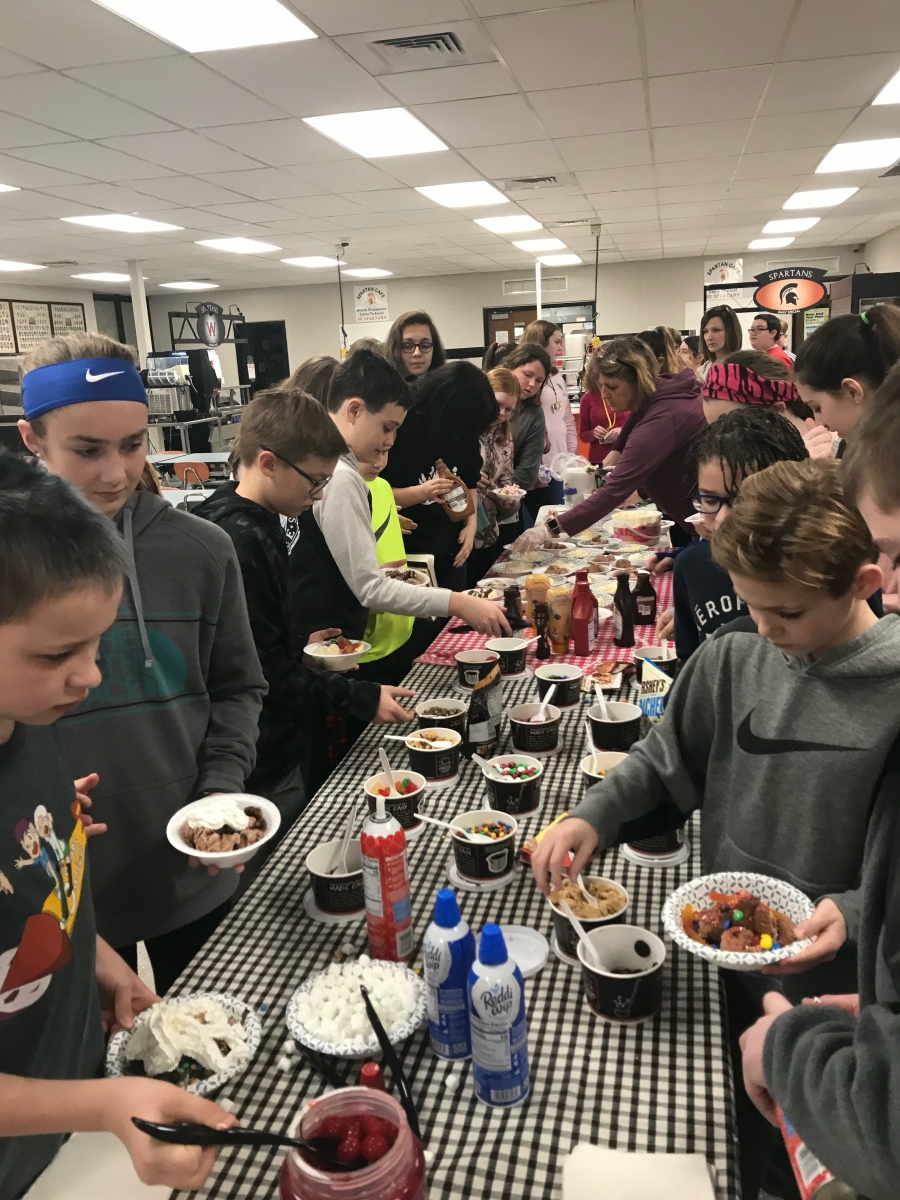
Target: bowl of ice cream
[338, 653]
[197, 1042]
[225, 829]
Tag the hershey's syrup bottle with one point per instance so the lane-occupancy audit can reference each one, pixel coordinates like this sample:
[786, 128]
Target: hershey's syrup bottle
[644, 600]
[623, 612]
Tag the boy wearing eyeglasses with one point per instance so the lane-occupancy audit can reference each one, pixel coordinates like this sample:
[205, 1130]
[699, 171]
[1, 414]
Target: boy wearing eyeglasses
[289, 448]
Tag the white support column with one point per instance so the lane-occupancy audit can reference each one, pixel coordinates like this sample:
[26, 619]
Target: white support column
[141, 316]
[537, 286]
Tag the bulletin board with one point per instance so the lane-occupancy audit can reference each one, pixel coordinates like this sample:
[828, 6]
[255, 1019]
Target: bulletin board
[24, 324]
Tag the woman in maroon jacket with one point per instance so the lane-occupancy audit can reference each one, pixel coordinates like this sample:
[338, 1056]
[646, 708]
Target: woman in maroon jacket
[667, 412]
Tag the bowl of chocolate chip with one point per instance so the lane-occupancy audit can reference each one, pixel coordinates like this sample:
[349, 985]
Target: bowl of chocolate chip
[225, 829]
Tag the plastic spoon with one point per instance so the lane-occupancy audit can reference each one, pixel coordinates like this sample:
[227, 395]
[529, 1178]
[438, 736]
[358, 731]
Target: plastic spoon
[487, 767]
[345, 842]
[541, 715]
[587, 895]
[455, 829]
[388, 772]
[579, 929]
[190, 1133]
[435, 745]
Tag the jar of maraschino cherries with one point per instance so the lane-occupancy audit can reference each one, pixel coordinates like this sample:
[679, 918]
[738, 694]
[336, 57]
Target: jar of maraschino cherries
[370, 1134]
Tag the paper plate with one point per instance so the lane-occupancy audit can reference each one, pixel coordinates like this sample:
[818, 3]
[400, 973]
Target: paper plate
[775, 892]
[527, 948]
[115, 1051]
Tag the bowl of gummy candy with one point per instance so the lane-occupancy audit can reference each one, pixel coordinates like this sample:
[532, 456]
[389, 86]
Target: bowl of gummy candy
[327, 1014]
[738, 919]
[337, 653]
[403, 801]
[518, 787]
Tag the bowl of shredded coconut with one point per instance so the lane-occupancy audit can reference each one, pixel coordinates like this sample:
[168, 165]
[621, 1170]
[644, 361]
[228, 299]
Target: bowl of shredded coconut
[198, 1042]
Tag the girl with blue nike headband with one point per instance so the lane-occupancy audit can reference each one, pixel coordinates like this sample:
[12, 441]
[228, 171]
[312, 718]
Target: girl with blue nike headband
[176, 715]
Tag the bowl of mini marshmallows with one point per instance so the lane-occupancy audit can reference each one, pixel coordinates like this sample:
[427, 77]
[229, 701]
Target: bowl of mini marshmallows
[327, 1013]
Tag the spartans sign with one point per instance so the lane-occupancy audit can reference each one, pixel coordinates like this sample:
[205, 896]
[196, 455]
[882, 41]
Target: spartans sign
[790, 289]
[210, 326]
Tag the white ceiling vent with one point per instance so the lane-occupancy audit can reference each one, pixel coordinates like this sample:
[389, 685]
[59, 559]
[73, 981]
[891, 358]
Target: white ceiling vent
[549, 283]
[458, 44]
[61, 262]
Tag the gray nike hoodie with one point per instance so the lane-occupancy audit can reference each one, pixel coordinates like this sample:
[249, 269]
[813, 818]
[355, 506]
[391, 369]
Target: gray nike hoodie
[782, 755]
[174, 716]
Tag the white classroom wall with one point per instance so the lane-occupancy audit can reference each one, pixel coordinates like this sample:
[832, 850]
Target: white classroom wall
[631, 296]
[883, 253]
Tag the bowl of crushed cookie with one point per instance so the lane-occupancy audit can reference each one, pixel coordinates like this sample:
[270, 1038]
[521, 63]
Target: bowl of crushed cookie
[223, 830]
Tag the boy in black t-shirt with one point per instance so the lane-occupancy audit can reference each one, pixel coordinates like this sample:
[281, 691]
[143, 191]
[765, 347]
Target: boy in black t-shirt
[61, 985]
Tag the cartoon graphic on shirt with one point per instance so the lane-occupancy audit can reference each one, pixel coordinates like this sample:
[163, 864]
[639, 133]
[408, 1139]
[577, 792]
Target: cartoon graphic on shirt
[26, 970]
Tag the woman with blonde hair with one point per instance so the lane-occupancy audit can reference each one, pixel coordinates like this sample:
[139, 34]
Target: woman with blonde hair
[666, 413]
[175, 717]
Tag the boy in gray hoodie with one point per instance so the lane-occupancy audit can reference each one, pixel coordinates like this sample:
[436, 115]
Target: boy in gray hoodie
[175, 717]
[780, 739]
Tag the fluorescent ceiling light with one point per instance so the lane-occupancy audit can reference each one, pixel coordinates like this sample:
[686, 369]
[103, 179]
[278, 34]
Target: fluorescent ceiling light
[820, 198]
[195, 25]
[860, 156]
[104, 277]
[536, 245]
[890, 93]
[368, 273]
[378, 133]
[791, 225]
[313, 260]
[238, 245]
[122, 223]
[463, 195]
[770, 243]
[520, 223]
[559, 260]
[190, 285]
[8, 265]
[8, 187]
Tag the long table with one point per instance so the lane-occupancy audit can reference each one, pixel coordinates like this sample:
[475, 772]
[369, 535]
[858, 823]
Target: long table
[664, 1086]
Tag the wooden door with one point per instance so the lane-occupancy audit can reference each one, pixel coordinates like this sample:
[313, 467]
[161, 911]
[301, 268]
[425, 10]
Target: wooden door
[507, 324]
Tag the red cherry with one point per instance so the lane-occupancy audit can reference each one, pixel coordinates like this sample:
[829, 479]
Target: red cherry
[331, 1127]
[349, 1150]
[374, 1147]
[353, 1129]
[372, 1124]
[391, 1132]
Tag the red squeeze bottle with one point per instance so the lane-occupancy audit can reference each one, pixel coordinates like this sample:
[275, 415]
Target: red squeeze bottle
[584, 616]
[371, 1077]
[386, 886]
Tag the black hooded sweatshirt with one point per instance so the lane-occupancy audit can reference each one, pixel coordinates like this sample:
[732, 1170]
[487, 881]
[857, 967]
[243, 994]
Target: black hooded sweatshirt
[296, 692]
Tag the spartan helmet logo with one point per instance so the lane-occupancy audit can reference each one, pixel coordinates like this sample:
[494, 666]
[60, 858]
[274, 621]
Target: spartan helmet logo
[788, 294]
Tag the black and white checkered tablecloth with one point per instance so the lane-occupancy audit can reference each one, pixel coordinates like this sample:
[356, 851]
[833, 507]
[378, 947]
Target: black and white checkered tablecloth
[664, 1086]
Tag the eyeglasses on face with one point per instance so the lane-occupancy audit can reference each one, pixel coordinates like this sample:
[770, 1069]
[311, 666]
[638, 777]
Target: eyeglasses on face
[708, 504]
[315, 485]
[408, 346]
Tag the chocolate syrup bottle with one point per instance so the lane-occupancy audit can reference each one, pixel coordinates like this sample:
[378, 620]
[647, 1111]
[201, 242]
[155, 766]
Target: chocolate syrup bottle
[644, 600]
[542, 624]
[623, 612]
[512, 603]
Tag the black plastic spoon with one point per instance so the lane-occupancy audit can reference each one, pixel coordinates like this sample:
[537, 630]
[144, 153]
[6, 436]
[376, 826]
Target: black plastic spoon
[192, 1133]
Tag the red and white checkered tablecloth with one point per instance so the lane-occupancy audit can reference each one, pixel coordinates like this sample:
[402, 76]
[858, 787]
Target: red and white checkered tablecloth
[444, 648]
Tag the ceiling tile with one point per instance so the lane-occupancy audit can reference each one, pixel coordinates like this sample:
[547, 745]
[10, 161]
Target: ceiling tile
[517, 160]
[23, 174]
[449, 83]
[421, 170]
[777, 162]
[684, 223]
[93, 160]
[692, 98]
[181, 148]
[70, 33]
[616, 228]
[258, 211]
[320, 206]
[749, 205]
[14, 64]
[708, 140]
[690, 35]
[264, 183]
[492, 120]
[617, 179]
[179, 88]
[688, 193]
[593, 108]
[348, 175]
[547, 201]
[825, 27]
[73, 107]
[702, 208]
[847, 82]
[698, 170]
[787, 185]
[14, 131]
[77, 198]
[35, 204]
[306, 79]
[185, 189]
[288, 142]
[635, 212]
[873, 122]
[802, 130]
[636, 197]
[595, 43]
[630, 149]
[357, 16]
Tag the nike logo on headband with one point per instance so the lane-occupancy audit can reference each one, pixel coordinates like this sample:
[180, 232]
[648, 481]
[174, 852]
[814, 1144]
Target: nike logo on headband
[750, 743]
[96, 378]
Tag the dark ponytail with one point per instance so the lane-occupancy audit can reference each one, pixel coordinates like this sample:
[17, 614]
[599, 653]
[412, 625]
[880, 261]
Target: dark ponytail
[851, 347]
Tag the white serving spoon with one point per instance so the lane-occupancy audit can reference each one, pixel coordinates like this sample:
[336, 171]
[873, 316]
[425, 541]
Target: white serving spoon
[587, 895]
[435, 745]
[345, 842]
[487, 767]
[541, 715]
[388, 771]
[604, 711]
[466, 837]
[579, 929]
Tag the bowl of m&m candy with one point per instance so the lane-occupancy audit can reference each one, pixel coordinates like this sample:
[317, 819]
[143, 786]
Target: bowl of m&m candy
[494, 854]
[402, 799]
[514, 783]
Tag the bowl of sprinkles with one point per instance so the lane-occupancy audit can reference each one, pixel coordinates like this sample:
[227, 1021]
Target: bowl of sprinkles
[517, 787]
[484, 860]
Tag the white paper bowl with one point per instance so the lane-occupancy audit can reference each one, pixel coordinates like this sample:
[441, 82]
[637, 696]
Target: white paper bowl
[230, 858]
[775, 892]
[336, 662]
[305, 1036]
[115, 1052]
[421, 577]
